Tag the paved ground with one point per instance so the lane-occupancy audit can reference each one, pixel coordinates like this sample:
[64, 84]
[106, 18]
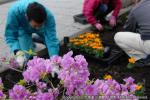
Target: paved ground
[5, 1]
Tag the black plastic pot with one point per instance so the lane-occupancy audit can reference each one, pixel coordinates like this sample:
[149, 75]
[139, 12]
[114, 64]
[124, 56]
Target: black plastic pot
[80, 18]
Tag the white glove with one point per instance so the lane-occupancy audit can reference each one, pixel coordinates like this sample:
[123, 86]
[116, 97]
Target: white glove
[106, 49]
[55, 70]
[108, 17]
[20, 58]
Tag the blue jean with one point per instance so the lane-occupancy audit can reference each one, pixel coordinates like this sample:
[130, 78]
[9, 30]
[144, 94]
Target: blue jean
[103, 8]
[102, 11]
[26, 41]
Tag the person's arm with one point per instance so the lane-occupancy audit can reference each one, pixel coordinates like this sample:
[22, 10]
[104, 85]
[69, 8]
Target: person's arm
[88, 11]
[11, 31]
[51, 40]
[118, 6]
[131, 23]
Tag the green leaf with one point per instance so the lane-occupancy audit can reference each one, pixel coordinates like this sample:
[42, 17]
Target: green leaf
[62, 82]
[22, 82]
[46, 79]
[130, 66]
[99, 54]
[30, 52]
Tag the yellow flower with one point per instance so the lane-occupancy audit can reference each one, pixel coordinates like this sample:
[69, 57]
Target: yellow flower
[85, 40]
[76, 43]
[86, 44]
[132, 60]
[72, 40]
[22, 82]
[81, 42]
[62, 82]
[1, 87]
[106, 77]
[97, 40]
[30, 52]
[100, 48]
[81, 36]
[88, 39]
[138, 87]
[43, 75]
[97, 35]
[95, 47]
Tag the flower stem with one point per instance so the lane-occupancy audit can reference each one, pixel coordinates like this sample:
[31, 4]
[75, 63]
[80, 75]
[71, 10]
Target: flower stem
[16, 70]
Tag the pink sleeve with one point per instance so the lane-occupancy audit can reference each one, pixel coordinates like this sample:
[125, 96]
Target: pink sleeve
[88, 10]
[118, 5]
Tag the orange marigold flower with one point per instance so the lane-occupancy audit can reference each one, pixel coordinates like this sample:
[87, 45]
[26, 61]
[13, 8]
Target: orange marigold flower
[138, 87]
[97, 35]
[76, 43]
[100, 48]
[72, 40]
[132, 60]
[86, 44]
[81, 36]
[94, 47]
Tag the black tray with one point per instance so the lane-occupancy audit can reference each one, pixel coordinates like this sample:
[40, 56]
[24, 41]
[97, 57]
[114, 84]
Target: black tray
[80, 18]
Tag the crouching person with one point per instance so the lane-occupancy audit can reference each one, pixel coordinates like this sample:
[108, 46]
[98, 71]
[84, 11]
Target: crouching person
[24, 18]
[99, 11]
[136, 40]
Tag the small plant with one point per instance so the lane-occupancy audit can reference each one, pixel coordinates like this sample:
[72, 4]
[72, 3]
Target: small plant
[89, 43]
[131, 63]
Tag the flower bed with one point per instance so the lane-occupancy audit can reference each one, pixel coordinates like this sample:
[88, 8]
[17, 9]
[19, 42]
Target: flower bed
[73, 76]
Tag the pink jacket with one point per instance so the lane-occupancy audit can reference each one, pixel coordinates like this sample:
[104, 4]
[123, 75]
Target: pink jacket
[90, 6]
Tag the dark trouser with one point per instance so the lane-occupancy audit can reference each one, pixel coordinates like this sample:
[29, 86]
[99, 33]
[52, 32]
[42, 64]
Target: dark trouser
[102, 11]
[36, 38]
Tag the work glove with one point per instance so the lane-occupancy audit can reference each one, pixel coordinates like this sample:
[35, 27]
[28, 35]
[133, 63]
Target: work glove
[55, 70]
[112, 21]
[20, 58]
[99, 26]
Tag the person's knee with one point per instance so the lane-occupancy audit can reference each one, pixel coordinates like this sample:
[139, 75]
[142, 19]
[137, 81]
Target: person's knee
[118, 37]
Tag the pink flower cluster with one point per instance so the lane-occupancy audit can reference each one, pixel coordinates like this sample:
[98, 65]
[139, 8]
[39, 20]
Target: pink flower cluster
[74, 72]
[74, 77]
[37, 68]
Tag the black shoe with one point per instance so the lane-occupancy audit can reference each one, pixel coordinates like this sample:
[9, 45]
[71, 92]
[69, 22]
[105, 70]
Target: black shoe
[143, 62]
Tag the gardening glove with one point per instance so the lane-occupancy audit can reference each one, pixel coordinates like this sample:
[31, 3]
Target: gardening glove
[99, 26]
[55, 70]
[106, 49]
[20, 58]
[112, 21]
